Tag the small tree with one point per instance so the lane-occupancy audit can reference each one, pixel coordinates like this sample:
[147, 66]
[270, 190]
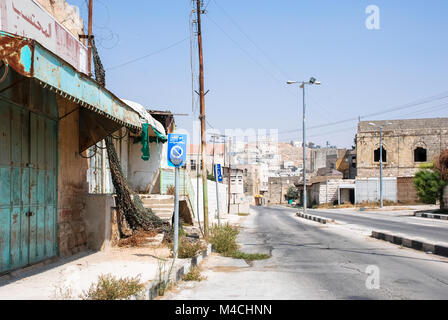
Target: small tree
[292, 193]
[429, 184]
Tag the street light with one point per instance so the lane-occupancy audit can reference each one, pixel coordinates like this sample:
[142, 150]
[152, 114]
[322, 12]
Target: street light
[312, 81]
[381, 159]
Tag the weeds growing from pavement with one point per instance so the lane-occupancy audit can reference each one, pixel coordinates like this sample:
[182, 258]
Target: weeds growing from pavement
[193, 275]
[187, 249]
[223, 239]
[109, 287]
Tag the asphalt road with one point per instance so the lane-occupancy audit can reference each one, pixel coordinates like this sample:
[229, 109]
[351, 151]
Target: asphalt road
[430, 229]
[312, 261]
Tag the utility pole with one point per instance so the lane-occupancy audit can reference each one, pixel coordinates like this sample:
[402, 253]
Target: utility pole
[90, 35]
[381, 166]
[202, 118]
[230, 172]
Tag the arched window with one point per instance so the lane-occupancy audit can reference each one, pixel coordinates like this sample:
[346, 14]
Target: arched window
[377, 155]
[420, 155]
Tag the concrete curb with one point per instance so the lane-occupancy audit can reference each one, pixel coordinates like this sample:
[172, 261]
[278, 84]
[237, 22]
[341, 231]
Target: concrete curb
[431, 216]
[177, 273]
[314, 218]
[411, 243]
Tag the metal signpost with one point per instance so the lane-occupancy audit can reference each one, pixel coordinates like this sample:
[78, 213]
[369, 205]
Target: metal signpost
[177, 155]
[218, 178]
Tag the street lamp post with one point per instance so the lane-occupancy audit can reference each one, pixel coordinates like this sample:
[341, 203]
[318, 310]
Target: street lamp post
[302, 85]
[381, 161]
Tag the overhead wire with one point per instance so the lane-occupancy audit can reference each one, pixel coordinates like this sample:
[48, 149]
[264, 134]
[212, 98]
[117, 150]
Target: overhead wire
[148, 55]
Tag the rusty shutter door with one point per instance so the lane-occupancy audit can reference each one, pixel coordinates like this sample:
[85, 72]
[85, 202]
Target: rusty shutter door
[28, 189]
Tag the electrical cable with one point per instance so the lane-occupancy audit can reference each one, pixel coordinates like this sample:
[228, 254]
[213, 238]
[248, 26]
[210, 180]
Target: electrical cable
[148, 55]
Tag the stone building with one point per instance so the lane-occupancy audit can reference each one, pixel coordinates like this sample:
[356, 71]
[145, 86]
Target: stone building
[324, 158]
[406, 145]
[278, 189]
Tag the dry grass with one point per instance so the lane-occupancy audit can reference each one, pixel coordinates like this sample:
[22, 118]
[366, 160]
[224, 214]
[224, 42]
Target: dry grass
[138, 239]
[331, 206]
[110, 288]
[188, 248]
[194, 275]
[170, 190]
[223, 239]
[366, 205]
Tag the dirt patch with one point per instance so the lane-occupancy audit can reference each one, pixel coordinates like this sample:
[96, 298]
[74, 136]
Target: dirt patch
[227, 269]
[138, 239]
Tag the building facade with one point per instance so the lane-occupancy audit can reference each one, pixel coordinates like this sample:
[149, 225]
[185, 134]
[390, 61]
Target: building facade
[406, 145]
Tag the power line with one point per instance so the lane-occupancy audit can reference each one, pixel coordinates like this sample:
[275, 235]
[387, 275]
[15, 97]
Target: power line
[284, 73]
[148, 55]
[277, 80]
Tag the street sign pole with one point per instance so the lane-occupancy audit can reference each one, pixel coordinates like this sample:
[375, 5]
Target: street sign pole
[217, 192]
[176, 212]
[177, 150]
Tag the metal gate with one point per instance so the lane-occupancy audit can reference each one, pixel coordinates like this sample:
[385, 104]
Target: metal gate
[28, 187]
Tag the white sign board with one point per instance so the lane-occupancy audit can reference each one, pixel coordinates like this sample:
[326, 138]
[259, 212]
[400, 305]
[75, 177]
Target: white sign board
[28, 19]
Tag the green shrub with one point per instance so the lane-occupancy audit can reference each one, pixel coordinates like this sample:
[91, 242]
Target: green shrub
[429, 185]
[110, 288]
[223, 239]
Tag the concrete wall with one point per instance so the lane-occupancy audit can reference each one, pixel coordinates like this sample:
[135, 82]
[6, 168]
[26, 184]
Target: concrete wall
[141, 174]
[368, 190]
[98, 218]
[72, 183]
[212, 207]
[400, 140]
[327, 191]
[243, 207]
[445, 197]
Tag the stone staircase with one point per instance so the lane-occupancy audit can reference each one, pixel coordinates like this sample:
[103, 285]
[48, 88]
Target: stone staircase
[161, 205]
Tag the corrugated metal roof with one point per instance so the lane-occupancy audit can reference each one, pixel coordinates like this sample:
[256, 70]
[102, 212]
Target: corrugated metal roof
[30, 59]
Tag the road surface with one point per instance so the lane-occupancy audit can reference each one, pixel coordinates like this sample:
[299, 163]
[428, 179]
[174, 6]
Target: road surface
[313, 261]
[430, 229]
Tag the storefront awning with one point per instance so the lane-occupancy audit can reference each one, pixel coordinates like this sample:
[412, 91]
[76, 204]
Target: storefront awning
[28, 58]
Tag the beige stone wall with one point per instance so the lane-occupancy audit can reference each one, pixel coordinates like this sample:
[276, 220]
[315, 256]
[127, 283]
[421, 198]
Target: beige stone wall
[400, 140]
[65, 14]
[72, 183]
[327, 191]
[278, 188]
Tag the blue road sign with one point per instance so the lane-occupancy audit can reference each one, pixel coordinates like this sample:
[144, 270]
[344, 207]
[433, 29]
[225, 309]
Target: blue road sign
[218, 172]
[177, 149]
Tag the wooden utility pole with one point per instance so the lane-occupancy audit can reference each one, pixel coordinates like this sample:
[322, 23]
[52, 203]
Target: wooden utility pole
[89, 39]
[202, 118]
[230, 172]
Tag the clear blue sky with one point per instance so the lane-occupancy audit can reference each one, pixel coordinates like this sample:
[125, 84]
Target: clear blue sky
[362, 70]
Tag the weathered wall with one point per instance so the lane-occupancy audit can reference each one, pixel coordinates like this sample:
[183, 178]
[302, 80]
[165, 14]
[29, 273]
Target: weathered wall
[141, 174]
[72, 183]
[99, 218]
[65, 14]
[212, 205]
[406, 191]
[327, 191]
[278, 188]
[400, 140]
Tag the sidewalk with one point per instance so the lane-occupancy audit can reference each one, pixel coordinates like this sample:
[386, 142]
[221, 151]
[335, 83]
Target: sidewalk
[70, 277]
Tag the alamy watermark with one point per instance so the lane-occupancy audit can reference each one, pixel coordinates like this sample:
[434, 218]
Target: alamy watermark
[373, 18]
[373, 280]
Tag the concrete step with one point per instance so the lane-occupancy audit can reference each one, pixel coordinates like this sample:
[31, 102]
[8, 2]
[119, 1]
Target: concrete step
[162, 210]
[159, 205]
[159, 199]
